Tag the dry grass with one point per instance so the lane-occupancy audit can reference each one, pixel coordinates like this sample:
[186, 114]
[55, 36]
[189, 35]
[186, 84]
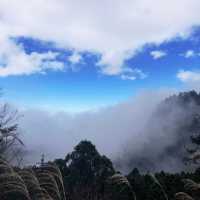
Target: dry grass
[45, 183]
[119, 186]
[4, 167]
[53, 169]
[13, 187]
[190, 185]
[156, 181]
[192, 188]
[33, 186]
[182, 196]
[48, 182]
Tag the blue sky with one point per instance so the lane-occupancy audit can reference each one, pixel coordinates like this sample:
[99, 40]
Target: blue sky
[84, 63]
[82, 87]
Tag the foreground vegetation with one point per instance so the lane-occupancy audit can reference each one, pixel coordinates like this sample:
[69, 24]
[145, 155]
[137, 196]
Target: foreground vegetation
[86, 175]
[33, 183]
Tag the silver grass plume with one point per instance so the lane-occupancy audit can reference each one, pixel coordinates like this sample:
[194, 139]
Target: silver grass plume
[155, 180]
[119, 186]
[192, 187]
[48, 183]
[182, 196]
[53, 169]
[33, 186]
[12, 186]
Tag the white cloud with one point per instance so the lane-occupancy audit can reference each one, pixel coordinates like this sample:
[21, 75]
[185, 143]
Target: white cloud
[53, 65]
[188, 76]
[158, 54]
[15, 61]
[75, 58]
[132, 74]
[126, 77]
[189, 54]
[113, 29]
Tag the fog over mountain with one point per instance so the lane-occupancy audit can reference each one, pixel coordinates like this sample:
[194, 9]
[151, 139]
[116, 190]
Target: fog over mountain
[165, 136]
[147, 131]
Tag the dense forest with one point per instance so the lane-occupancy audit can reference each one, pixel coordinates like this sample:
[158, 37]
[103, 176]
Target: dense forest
[85, 174]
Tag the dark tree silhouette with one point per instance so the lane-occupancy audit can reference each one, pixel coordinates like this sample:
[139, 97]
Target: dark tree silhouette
[10, 142]
[85, 172]
[193, 153]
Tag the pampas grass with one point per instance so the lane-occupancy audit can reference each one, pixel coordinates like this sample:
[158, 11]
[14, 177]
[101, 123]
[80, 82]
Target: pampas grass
[42, 183]
[12, 187]
[48, 182]
[33, 186]
[190, 185]
[53, 169]
[119, 179]
[192, 188]
[4, 167]
[119, 186]
[182, 196]
[155, 180]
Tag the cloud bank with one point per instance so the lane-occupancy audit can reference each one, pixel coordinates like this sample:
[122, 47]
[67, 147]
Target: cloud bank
[137, 133]
[114, 130]
[113, 30]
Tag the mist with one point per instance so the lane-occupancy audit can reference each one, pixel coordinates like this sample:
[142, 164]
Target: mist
[132, 134]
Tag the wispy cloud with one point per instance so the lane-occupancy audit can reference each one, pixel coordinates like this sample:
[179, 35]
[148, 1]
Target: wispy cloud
[189, 54]
[133, 74]
[158, 54]
[188, 76]
[75, 58]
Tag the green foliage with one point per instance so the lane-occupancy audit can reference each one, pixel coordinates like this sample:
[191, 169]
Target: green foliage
[85, 171]
[172, 184]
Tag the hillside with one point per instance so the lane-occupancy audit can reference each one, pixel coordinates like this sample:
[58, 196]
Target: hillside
[167, 134]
